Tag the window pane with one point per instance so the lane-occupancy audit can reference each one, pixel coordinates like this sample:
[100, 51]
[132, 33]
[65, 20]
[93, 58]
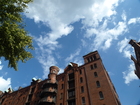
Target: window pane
[101, 95]
[81, 79]
[71, 84]
[95, 65]
[83, 100]
[95, 74]
[71, 76]
[82, 89]
[98, 83]
[91, 67]
[71, 93]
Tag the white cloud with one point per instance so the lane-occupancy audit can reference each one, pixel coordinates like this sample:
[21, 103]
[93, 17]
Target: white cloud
[58, 15]
[129, 75]
[124, 48]
[104, 36]
[74, 58]
[134, 20]
[5, 83]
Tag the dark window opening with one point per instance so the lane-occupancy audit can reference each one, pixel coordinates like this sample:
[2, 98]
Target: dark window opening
[88, 59]
[32, 90]
[82, 89]
[95, 65]
[81, 79]
[91, 58]
[71, 76]
[62, 78]
[95, 74]
[62, 86]
[71, 102]
[101, 95]
[80, 71]
[91, 67]
[71, 93]
[98, 83]
[27, 103]
[83, 100]
[71, 84]
[30, 97]
[94, 57]
[61, 96]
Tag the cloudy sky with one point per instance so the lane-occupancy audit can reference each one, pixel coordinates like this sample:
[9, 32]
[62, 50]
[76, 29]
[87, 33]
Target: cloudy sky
[65, 30]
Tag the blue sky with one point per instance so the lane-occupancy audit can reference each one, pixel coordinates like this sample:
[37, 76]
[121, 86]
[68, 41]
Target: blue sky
[65, 30]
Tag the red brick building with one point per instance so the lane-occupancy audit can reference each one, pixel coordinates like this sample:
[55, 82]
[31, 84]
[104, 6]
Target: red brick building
[88, 84]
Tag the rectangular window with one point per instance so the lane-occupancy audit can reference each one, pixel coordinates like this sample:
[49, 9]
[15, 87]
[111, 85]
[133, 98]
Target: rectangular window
[30, 97]
[80, 71]
[94, 57]
[82, 89]
[95, 74]
[71, 102]
[62, 86]
[71, 84]
[81, 79]
[61, 96]
[71, 76]
[62, 78]
[32, 90]
[91, 67]
[88, 60]
[94, 66]
[101, 95]
[83, 100]
[71, 93]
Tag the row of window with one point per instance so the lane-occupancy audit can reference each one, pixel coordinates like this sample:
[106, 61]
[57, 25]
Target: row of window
[72, 94]
[91, 58]
[97, 84]
[94, 66]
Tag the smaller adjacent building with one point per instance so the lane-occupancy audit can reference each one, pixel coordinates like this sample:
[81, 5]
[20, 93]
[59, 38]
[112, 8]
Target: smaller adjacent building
[136, 46]
[38, 93]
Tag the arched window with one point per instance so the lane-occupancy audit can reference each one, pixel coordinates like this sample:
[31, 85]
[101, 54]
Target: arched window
[98, 83]
[101, 95]
[95, 74]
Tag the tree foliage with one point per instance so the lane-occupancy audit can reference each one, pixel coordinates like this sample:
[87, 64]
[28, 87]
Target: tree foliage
[15, 42]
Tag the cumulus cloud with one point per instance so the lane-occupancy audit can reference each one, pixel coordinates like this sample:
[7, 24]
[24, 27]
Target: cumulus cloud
[104, 36]
[5, 83]
[59, 15]
[74, 57]
[124, 47]
[134, 20]
[129, 75]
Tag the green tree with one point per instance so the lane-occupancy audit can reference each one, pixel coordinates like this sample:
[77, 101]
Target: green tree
[15, 42]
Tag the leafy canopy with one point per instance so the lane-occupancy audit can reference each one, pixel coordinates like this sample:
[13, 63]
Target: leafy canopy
[14, 40]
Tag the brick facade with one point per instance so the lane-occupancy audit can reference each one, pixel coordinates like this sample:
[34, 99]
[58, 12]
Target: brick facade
[88, 84]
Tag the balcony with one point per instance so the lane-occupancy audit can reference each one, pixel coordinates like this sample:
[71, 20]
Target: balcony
[48, 91]
[50, 83]
[47, 101]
